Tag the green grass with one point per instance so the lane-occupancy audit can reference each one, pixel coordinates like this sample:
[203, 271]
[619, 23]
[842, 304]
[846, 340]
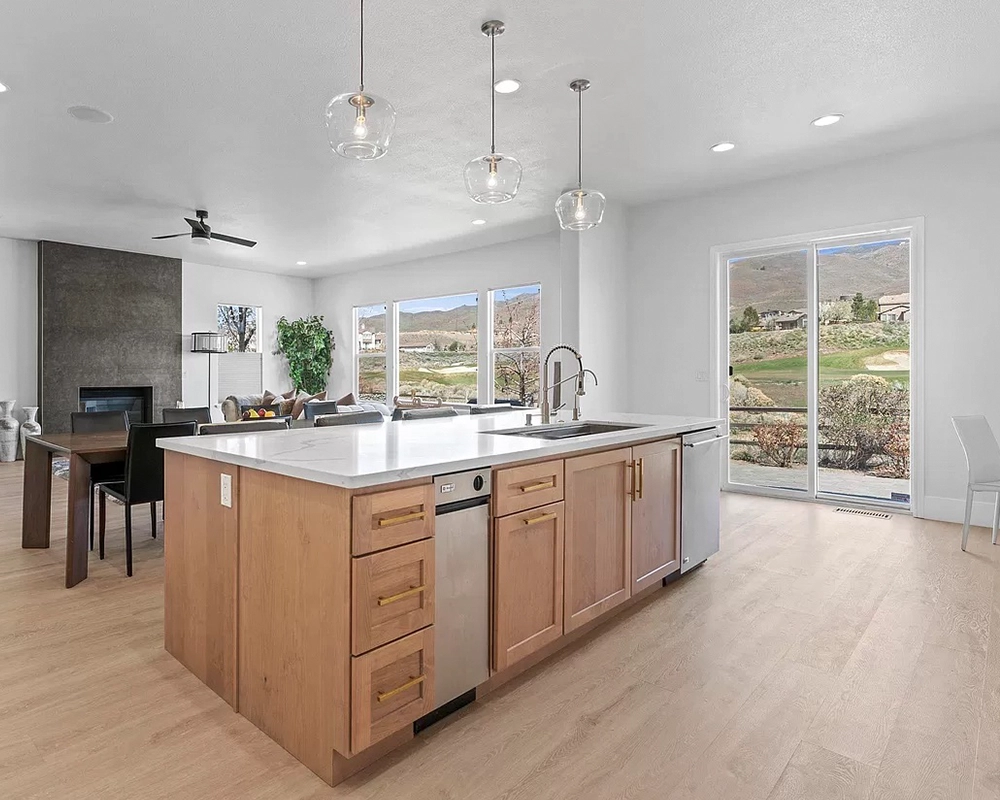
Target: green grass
[409, 377]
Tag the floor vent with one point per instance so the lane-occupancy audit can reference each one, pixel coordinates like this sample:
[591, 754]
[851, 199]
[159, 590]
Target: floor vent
[862, 512]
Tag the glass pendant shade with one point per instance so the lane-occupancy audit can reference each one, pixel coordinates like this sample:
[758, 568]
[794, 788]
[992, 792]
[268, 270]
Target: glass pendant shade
[360, 125]
[493, 179]
[580, 209]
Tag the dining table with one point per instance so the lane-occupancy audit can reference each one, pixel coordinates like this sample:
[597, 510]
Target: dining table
[84, 450]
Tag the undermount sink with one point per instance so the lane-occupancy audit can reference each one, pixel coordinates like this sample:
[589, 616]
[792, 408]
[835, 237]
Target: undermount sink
[567, 431]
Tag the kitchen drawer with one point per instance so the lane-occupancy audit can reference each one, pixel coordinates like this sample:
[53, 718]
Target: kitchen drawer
[391, 687]
[389, 519]
[392, 594]
[517, 489]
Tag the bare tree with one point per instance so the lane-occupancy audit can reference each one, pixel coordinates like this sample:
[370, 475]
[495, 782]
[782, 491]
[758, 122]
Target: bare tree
[239, 325]
[515, 326]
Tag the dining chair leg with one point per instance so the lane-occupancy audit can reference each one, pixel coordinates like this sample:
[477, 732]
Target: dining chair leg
[996, 518]
[102, 515]
[91, 505]
[968, 517]
[152, 517]
[128, 540]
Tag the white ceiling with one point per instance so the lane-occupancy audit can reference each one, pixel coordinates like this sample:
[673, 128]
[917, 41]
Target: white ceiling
[218, 104]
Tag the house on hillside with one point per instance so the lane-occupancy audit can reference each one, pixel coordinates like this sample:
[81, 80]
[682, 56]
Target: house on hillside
[894, 308]
[371, 341]
[768, 317]
[790, 321]
[417, 347]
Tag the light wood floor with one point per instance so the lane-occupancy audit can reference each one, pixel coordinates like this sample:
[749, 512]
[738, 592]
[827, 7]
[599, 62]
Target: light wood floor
[819, 655]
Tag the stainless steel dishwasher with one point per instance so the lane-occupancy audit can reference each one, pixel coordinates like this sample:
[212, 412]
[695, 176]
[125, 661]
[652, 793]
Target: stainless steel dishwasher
[461, 590]
[700, 513]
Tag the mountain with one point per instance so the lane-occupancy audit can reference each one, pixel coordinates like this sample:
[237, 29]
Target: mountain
[462, 318]
[779, 281]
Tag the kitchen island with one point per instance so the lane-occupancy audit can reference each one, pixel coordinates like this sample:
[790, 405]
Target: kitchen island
[313, 575]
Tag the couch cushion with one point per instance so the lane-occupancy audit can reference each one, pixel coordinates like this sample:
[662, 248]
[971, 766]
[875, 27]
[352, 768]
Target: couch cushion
[301, 399]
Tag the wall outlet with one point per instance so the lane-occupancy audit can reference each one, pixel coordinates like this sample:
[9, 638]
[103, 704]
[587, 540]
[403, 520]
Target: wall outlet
[227, 491]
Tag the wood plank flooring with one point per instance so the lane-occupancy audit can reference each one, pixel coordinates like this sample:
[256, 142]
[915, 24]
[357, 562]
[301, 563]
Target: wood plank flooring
[818, 656]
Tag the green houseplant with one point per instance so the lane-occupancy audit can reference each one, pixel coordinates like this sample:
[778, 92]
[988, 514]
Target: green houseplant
[307, 345]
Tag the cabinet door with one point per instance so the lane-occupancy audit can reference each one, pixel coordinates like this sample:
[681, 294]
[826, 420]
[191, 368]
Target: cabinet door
[656, 512]
[598, 515]
[528, 583]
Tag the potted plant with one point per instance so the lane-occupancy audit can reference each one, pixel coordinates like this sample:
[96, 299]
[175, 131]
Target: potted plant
[307, 345]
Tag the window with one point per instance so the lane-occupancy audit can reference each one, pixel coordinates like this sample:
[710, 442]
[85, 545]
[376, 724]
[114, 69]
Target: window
[240, 325]
[437, 342]
[241, 368]
[516, 343]
[370, 353]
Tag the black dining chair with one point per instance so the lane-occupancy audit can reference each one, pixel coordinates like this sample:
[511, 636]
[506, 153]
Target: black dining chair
[491, 408]
[251, 426]
[319, 408]
[143, 481]
[100, 422]
[405, 414]
[349, 418]
[200, 414]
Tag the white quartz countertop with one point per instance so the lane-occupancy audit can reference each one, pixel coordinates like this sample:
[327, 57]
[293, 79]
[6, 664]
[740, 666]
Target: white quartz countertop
[355, 456]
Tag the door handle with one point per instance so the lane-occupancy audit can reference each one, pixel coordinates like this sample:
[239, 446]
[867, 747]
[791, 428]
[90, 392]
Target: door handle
[384, 601]
[389, 521]
[540, 518]
[383, 696]
[707, 441]
[642, 477]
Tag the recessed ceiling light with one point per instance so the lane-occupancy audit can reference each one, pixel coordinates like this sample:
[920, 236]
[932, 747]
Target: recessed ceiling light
[479, 222]
[722, 147]
[827, 119]
[90, 114]
[3, 88]
[300, 263]
[507, 86]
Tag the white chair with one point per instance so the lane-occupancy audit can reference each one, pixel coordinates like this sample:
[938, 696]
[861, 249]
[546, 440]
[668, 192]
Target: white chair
[982, 453]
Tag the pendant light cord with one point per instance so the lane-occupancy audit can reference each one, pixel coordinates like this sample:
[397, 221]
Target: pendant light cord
[493, 94]
[362, 45]
[579, 140]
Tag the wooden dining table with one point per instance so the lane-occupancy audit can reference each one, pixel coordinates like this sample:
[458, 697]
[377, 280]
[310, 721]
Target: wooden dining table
[83, 450]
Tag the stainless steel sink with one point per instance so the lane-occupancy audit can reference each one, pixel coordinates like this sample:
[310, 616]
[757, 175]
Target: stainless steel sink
[567, 431]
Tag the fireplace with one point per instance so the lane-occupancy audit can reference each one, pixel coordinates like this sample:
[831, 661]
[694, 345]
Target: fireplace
[136, 401]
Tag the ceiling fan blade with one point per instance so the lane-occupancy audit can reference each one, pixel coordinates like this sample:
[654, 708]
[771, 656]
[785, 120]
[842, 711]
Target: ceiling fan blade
[233, 239]
[172, 236]
[197, 224]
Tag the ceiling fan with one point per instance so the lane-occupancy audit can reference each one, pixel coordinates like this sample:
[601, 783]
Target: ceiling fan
[203, 233]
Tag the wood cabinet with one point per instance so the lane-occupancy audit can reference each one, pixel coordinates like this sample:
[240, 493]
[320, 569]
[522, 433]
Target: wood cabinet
[517, 489]
[392, 594]
[598, 545]
[528, 583]
[389, 519]
[656, 512]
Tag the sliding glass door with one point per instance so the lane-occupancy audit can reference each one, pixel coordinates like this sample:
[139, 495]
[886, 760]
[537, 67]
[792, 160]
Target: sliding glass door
[818, 337]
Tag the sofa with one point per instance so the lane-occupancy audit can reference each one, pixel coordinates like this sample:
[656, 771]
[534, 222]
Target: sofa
[234, 406]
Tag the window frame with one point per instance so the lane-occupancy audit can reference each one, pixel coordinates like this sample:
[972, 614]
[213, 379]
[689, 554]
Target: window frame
[358, 353]
[509, 351]
[260, 325]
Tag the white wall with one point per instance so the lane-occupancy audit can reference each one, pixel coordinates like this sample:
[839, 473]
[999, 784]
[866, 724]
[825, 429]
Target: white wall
[204, 287]
[954, 187]
[603, 287]
[532, 260]
[19, 323]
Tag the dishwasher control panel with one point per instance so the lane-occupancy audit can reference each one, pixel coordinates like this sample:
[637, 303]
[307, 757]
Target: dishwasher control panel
[460, 486]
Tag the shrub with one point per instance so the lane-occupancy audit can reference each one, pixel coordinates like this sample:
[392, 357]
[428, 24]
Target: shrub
[742, 393]
[778, 442]
[861, 416]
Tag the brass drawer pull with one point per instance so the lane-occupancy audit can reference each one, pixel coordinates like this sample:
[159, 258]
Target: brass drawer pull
[540, 518]
[642, 478]
[385, 523]
[384, 601]
[634, 482]
[383, 696]
[537, 487]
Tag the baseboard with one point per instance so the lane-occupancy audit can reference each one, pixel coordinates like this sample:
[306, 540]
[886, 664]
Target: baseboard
[950, 509]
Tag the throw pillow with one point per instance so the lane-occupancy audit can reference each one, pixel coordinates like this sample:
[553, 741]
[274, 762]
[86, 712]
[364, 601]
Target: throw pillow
[301, 399]
[289, 395]
[347, 400]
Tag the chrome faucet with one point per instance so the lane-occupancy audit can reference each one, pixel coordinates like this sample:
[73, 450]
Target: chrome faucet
[579, 377]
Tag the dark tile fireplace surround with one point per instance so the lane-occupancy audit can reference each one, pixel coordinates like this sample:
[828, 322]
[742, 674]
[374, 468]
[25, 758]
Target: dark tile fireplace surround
[109, 333]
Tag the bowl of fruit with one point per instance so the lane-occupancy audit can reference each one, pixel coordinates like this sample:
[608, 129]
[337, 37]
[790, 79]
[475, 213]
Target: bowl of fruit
[258, 413]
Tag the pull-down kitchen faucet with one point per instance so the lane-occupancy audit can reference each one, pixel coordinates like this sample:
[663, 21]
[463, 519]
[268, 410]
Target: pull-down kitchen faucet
[580, 378]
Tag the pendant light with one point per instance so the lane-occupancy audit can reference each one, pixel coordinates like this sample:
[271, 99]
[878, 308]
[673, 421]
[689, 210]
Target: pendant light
[360, 124]
[493, 178]
[580, 209]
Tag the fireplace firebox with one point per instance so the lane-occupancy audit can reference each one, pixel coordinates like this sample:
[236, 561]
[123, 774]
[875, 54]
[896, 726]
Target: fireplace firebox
[136, 401]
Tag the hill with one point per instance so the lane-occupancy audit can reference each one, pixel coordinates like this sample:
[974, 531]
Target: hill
[779, 281]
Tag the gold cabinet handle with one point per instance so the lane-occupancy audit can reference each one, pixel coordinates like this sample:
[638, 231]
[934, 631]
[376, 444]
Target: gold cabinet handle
[392, 598]
[383, 696]
[537, 487]
[635, 480]
[642, 477]
[540, 518]
[385, 523]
